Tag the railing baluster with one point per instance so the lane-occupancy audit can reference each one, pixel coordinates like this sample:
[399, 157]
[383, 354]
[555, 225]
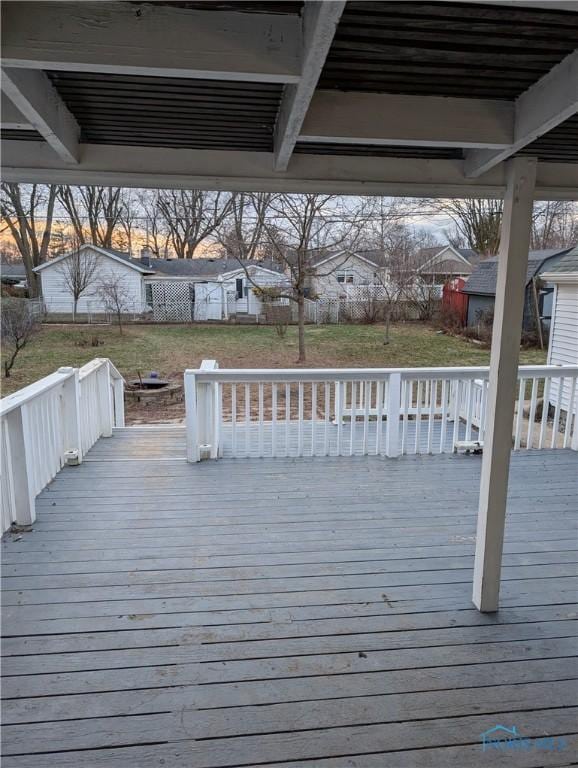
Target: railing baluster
[313, 415]
[287, 416]
[327, 417]
[367, 392]
[379, 417]
[261, 426]
[569, 413]
[300, 418]
[444, 414]
[339, 396]
[273, 419]
[433, 392]
[418, 418]
[469, 409]
[556, 422]
[353, 417]
[407, 400]
[247, 418]
[532, 416]
[234, 419]
[545, 407]
[456, 414]
[484, 400]
[520, 414]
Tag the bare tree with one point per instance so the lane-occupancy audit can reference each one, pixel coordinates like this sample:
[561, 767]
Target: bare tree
[95, 212]
[116, 297]
[157, 234]
[28, 211]
[241, 233]
[18, 325]
[554, 224]
[476, 223]
[78, 271]
[192, 216]
[299, 229]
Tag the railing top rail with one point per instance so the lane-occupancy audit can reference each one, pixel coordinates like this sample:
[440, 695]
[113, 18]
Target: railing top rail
[95, 365]
[37, 388]
[248, 375]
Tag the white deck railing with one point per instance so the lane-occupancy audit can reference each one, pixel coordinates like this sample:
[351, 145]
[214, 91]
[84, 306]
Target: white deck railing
[321, 412]
[66, 411]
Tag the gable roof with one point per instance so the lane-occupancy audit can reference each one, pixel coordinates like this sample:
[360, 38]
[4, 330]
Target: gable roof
[205, 267]
[566, 265]
[483, 279]
[428, 256]
[120, 256]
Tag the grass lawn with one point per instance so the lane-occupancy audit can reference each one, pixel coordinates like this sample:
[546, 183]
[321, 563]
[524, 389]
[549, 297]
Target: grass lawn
[171, 349]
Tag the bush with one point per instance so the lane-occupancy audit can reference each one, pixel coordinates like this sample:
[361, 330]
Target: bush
[449, 319]
[18, 325]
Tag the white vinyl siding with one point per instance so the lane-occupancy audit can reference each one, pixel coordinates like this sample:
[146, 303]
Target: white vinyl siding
[58, 298]
[326, 283]
[563, 346]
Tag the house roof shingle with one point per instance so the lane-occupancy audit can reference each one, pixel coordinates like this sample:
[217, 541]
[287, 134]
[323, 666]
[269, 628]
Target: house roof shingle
[483, 279]
[567, 263]
[203, 267]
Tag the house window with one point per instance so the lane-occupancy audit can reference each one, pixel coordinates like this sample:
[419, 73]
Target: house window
[344, 276]
[148, 294]
[239, 287]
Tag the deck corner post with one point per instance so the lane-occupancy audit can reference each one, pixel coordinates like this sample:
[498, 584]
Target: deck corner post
[393, 413]
[71, 411]
[193, 453]
[118, 399]
[503, 377]
[19, 455]
[105, 399]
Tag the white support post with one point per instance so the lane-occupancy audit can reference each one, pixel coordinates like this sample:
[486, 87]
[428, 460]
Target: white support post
[118, 398]
[71, 412]
[393, 412]
[207, 412]
[193, 454]
[512, 264]
[105, 400]
[17, 435]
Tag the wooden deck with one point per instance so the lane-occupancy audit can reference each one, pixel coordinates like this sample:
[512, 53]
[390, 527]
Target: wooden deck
[294, 612]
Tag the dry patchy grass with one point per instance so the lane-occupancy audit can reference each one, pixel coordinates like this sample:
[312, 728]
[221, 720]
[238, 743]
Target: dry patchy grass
[171, 349]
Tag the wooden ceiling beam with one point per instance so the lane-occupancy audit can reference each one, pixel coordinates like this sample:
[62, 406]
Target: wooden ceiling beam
[390, 119]
[545, 105]
[320, 21]
[149, 39]
[35, 97]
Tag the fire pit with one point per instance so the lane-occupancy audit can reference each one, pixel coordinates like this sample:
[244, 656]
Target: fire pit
[153, 389]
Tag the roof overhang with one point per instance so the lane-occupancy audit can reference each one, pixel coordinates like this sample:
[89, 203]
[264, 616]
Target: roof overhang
[324, 97]
[101, 251]
[560, 277]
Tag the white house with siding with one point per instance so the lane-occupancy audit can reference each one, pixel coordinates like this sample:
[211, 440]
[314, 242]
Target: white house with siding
[563, 344]
[168, 289]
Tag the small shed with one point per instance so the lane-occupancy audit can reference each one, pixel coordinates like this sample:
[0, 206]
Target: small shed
[481, 288]
[563, 344]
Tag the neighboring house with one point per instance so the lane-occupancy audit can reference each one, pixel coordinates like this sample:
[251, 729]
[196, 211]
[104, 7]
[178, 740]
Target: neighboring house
[13, 273]
[481, 288]
[563, 344]
[172, 289]
[441, 263]
[343, 273]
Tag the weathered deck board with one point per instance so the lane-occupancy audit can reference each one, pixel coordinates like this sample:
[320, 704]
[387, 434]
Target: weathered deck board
[295, 612]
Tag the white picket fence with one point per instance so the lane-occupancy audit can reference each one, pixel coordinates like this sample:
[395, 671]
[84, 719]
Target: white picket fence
[322, 412]
[66, 411]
